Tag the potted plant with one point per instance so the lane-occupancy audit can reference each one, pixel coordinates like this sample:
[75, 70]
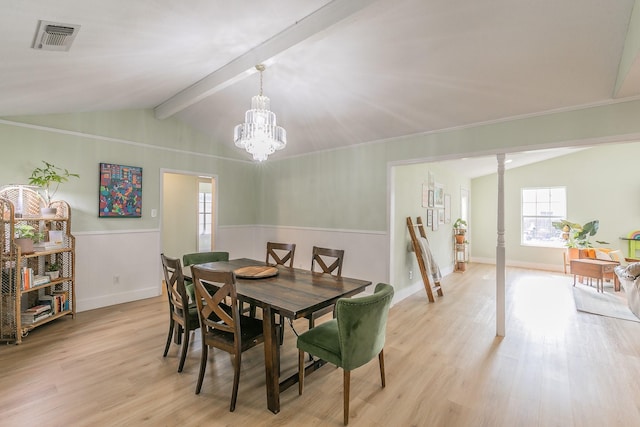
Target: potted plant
[459, 230]
[53, 270]
[25, 236]
[576, 235]
[49, 178]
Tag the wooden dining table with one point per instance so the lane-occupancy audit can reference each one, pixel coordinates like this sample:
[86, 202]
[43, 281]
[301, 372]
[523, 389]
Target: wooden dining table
[292, 293]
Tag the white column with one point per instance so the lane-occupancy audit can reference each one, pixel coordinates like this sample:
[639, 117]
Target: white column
[500, 253]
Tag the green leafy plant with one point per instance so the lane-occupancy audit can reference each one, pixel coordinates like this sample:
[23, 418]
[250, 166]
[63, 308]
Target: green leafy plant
[49, 179]
[460, 224]
[53, 267]
[576, 235]
[26, 231]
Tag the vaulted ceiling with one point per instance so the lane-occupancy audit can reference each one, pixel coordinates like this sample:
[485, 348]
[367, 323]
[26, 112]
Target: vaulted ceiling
[338, 72]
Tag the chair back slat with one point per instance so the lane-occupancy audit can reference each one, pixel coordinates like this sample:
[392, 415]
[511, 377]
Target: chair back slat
[280, 253]
[323, 256]
[213, 308]
[174, 282]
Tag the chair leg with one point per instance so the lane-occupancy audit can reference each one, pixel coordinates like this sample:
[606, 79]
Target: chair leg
[185, 347]
[300, 371]
[166, 347]
[347, 383]
[236, 381]
[381, 361]
[203, 366]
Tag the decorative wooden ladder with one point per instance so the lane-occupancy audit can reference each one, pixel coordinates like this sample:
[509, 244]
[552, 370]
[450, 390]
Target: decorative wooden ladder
[427, 279]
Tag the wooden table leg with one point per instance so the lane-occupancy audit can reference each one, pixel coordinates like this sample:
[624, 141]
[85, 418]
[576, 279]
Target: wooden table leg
[271, 359]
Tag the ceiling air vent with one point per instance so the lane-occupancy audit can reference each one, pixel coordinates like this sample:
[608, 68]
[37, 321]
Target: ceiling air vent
[54, 36]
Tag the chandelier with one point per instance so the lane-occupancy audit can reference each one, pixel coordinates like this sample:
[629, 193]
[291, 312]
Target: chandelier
[259, 134]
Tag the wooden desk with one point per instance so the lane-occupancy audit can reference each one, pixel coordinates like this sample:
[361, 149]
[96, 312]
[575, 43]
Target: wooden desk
[292, 293]
[596, 269]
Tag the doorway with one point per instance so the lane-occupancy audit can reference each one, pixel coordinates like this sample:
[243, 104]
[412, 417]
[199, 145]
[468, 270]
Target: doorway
[189, 209]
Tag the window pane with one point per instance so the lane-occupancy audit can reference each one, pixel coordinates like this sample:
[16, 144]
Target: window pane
[540, 208]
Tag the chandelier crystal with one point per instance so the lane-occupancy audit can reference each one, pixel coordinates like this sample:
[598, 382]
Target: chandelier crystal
[259, 134]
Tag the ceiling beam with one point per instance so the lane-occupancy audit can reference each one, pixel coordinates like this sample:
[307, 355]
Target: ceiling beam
[628, 80]
[236, 70]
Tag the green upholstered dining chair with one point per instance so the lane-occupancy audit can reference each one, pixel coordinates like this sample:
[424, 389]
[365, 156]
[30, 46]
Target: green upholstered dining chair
[201, 258]
[352, 339]
[183, 317]
[327, 261]
[221, 325]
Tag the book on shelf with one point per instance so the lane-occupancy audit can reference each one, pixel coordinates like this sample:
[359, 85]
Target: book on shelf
[33, 317]
[46, 246]
[64, 299]
[40, 280]
[26, 278]
[37, 309]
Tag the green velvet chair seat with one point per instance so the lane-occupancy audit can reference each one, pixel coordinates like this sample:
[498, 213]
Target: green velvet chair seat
[322, 342]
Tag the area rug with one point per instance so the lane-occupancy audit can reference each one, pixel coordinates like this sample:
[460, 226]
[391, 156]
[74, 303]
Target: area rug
[609, 303]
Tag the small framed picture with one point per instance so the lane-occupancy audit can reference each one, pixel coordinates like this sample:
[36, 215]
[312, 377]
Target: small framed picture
[425, 195]
[438, 196]
[430, 201]
[440, 216]
[429, 217]
[434, 221]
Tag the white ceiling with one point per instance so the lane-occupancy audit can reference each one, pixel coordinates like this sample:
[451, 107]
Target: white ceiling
[338, 72]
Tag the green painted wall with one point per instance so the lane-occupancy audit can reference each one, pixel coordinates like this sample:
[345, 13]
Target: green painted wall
[602, 183]
[79, 142]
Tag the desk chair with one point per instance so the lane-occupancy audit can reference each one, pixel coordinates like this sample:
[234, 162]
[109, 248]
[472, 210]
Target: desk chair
[352, 339]
[327, 261]
[221, 325]
[180, 311]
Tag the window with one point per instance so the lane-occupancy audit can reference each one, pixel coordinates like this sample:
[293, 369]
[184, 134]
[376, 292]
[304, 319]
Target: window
[205, 215]
[540, 208]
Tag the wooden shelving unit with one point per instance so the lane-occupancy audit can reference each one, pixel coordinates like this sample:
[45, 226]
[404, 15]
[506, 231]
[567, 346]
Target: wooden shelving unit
[21, 205]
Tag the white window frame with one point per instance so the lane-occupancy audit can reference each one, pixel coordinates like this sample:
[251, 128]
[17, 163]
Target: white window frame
[539, 207]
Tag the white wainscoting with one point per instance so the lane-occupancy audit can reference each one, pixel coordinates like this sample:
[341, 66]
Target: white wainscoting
[116, 267]
[366, 252]
[121, 266]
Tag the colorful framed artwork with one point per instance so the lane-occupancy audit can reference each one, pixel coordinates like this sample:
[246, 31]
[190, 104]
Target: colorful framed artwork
[429, 217]
[447, 208]
[120, 193]
[438, 196]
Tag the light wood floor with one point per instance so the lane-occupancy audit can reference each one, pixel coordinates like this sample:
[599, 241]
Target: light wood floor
[444, 365]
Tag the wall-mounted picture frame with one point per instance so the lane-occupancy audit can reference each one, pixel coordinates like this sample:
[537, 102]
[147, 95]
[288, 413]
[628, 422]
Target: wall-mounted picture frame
[434, 221]
[425, 195]
[441, 216]
[432, 180]
[447, 208]
[430, 201]
[120, 192]
[438, 196]
[429, 217]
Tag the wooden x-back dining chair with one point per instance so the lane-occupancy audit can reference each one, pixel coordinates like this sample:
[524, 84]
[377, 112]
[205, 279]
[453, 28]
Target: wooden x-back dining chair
[280, 253]
[183, 317]
[221, 325]
[327, 261]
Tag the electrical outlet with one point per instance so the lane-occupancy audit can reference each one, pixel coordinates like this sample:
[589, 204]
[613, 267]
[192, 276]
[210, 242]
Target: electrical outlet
[410, 274]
